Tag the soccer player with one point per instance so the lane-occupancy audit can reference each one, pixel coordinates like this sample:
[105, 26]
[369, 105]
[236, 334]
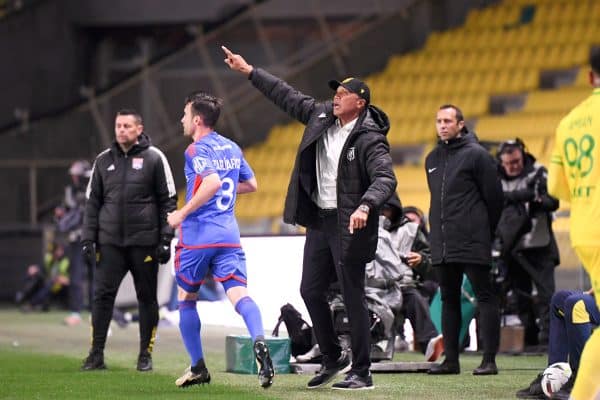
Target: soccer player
[573, 176]
[209, 237]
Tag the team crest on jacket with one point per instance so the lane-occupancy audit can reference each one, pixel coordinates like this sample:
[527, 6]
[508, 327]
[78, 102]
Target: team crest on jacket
[137, 163]
[351, 154]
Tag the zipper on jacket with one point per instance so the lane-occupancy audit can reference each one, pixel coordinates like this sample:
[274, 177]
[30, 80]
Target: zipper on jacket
[122, 205]
[442, 206]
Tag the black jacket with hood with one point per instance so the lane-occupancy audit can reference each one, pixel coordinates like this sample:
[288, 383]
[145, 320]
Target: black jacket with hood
[530, 190]
[129, 196]
[466, 201]
[365, 174]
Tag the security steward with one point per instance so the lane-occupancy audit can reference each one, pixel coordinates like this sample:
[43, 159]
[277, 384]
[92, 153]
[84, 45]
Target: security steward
[125, 229]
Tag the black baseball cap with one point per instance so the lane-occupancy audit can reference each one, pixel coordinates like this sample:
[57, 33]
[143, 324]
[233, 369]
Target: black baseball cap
[353, 85]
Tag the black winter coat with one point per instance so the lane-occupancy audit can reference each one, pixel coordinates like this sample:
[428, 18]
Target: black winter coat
[466, 201]
[365, 173]
[529, 190]
[129, 196]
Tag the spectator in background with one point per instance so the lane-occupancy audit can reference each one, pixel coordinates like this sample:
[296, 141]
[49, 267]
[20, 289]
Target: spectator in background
[427, 277]
[466, 202]
[69, 219]
[416, 215]
[342, 176]
[125, 229]
[573, 177]
[527, 242]
[47, 283]
[573, 316]
[412, 259]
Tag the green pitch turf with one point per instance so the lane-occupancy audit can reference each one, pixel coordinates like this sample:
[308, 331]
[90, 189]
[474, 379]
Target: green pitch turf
[40, 359]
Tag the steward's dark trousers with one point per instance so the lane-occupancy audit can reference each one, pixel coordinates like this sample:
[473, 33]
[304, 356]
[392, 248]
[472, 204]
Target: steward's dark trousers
[416, 308]
[323, 261]
[451, 276]
[113, 264]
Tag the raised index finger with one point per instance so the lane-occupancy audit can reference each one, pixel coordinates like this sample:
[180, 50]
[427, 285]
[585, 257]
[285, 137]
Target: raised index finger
[227, 51]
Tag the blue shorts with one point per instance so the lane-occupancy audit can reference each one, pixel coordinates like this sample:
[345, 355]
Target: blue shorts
[227, 265]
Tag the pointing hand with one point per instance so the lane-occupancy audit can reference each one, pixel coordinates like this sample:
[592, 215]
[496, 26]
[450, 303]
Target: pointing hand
[236, 62]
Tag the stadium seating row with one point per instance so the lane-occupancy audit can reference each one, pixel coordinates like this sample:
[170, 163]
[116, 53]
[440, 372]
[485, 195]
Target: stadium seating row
[547, 56]
[511, 13]
[525, 36]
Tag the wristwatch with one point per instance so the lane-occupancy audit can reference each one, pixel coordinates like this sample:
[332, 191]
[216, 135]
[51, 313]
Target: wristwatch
[364, 208]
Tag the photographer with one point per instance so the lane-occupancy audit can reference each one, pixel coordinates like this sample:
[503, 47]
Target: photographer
[528, 247]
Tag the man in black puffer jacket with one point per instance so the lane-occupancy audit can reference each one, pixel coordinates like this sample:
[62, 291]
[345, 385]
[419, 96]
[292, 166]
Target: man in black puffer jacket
[466, 203]
[125, 229]
[342, 176]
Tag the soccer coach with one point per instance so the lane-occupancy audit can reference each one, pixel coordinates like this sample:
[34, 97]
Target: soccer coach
[342, 176]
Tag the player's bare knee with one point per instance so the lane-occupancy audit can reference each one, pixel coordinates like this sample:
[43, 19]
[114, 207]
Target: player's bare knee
[184, 295]
[235, 293]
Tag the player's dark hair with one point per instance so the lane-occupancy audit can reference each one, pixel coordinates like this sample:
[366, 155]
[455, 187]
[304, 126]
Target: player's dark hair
[459, 113]
[130, 111]
[595, 60]
[207, 106]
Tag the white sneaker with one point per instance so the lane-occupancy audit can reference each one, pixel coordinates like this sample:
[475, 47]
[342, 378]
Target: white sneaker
[435, 348]
[315, 351]
[400, 345]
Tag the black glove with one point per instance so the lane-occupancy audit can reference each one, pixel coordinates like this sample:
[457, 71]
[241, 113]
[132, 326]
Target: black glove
[163, 251]
[88, 252]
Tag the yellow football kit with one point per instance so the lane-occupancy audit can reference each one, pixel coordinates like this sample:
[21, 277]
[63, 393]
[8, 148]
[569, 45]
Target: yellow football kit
[574, 176]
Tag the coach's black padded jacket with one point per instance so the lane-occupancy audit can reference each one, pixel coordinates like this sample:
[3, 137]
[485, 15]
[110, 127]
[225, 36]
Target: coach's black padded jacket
[365, 174]
[129, 196]
[466, 201]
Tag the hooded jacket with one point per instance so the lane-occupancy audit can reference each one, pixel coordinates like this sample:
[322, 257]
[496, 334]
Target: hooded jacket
[466, 201]
[129, 196]
[407, 236]
[530, 189]
[365, 174]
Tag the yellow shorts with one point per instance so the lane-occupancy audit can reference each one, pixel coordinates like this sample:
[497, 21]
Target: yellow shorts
[590, 257]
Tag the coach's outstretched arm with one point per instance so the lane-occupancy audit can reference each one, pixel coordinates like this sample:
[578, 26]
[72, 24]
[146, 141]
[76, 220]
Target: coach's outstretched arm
[298, 105]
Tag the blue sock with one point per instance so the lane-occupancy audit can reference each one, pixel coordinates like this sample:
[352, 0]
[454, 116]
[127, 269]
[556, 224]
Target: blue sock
[248, 309]
[189, 326]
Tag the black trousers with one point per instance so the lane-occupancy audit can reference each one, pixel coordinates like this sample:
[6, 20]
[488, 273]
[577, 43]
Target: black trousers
[524, 269]
[451, 276]
[416, 308]
[323, 262]
[111, 268]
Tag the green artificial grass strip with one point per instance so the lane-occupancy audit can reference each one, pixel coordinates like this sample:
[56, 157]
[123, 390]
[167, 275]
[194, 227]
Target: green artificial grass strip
[41, 376]
[40, 359]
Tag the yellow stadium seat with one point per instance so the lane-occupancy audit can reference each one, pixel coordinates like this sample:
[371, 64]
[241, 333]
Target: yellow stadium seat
[560, 101]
